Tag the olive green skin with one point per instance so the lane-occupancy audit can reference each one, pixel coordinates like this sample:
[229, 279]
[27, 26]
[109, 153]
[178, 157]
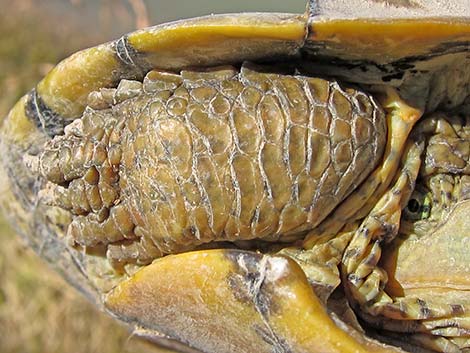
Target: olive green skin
[78, 224]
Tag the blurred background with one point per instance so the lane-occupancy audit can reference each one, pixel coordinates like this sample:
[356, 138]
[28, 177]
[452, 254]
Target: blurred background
[39, 312]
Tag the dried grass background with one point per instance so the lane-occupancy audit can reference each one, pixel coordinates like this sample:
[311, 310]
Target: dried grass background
[39, 312]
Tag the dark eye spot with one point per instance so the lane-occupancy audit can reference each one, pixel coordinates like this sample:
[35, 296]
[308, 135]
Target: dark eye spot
[413, 206]
[418, 207]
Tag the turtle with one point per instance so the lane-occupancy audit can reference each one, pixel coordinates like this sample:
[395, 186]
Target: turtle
[260, 181]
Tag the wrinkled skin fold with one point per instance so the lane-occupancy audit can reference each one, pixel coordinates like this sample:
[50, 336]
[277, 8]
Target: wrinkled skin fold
[318, 203]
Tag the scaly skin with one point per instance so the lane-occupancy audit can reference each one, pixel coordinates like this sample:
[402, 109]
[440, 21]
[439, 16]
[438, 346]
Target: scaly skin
[418, 284]
[210, 156]
[198, 168]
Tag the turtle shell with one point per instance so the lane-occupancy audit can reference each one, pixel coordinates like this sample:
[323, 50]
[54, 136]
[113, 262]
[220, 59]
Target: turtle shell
[248, 181]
